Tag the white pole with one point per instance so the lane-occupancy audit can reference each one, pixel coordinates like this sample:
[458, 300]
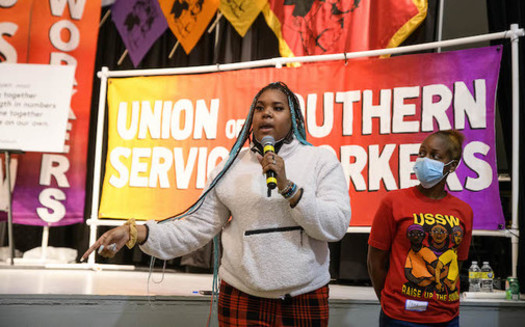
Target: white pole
[515, 144]
[45, 241]
[279, 61]
[440, 22]
[9, 207]
[103, 74]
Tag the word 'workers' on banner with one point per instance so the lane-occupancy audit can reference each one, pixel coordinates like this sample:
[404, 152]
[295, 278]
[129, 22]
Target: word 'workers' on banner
[166, 133]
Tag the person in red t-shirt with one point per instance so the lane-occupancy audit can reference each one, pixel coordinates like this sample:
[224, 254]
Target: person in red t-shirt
[418, 240]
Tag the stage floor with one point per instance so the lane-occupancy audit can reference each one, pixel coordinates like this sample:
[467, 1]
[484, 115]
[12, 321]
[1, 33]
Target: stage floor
[97, 296]
[103, 281]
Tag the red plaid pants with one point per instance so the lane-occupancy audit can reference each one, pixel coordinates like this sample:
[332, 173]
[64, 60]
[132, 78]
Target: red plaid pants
[240, 309]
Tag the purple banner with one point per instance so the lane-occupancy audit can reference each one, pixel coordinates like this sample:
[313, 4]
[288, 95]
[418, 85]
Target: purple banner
[478, 170]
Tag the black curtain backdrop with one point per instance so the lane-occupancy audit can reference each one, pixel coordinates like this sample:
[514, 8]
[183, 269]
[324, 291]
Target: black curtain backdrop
[501, 14]
[261, 43]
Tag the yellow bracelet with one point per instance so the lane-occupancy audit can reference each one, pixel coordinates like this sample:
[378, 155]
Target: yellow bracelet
[132, 233]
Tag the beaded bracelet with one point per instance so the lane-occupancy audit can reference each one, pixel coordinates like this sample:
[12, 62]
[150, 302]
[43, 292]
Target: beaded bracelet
[132, 233]
[289, 191]
[287, 188]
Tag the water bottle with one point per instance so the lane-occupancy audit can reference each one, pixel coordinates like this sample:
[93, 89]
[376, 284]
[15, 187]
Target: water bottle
[487, 277]
[474, 277]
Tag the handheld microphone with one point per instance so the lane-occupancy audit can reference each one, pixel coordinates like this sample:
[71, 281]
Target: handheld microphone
[268, 143]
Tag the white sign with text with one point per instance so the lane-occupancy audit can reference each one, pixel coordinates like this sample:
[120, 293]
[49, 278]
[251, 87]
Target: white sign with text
[34, 106]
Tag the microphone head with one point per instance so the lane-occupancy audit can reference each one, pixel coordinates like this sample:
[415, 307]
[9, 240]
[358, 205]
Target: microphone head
[268, 140]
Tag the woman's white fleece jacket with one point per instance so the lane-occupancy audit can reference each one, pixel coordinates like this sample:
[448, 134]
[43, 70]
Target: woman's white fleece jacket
[269, 248]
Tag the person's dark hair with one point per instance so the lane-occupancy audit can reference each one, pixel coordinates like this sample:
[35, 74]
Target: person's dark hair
[298, 127]
[455, 140]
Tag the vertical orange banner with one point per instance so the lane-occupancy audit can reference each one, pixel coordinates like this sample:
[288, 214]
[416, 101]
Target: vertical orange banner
[50, 188]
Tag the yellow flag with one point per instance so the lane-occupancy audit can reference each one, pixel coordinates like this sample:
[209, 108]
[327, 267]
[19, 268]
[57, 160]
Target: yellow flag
[188, 19]
[241, 13]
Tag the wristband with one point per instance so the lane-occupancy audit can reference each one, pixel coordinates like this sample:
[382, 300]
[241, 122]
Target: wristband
[132, 233]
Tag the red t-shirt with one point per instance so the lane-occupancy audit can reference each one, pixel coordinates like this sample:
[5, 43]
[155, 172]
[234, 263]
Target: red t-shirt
[426, 239]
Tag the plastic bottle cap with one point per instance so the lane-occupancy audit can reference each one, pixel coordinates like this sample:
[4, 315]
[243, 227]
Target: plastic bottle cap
[474, 262]
[485, 262]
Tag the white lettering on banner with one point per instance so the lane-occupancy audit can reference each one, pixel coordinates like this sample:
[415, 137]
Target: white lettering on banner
[357, 162]
[233, 128]
[437, 111]
[206, 119]
[472, 106]
[328, 115]
[7, 3]
[367, 168]
[406, 166]
[56, 166]
[395, 112]
[159, 161]
[76, 8]
[354, 159]
[477, 165]
[7, 50]
[201, 168]
[347, 99]
[183, 172]
[53, 209]
[399, 124]
[51, 199]
[55, 35]
[121, 168]
[182, 106]
[380, 166]
[139, 167]
[381, 111]
[164, 119]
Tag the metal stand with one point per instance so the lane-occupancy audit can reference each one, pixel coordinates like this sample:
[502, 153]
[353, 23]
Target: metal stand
[10, 202]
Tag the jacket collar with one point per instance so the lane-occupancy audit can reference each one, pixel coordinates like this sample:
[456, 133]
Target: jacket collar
[282, 147]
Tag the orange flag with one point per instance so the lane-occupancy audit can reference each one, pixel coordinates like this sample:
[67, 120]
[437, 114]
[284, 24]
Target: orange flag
[188, 19]
[334, 26]
[241, 13]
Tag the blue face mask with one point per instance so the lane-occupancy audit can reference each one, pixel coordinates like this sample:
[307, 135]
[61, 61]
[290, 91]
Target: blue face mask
[429, 172]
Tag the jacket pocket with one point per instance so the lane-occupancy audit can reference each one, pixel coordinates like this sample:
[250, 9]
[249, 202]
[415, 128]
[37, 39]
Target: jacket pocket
[277, 258]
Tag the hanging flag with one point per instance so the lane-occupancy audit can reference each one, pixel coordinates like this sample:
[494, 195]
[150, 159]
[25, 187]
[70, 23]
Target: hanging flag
[140, 23]
[241, 13]
[318, 27]
[188, 19]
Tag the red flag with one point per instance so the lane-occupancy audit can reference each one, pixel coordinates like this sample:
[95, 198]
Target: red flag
[332, 26]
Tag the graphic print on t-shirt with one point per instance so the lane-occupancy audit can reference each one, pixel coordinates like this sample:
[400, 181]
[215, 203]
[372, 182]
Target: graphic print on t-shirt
[431, 265]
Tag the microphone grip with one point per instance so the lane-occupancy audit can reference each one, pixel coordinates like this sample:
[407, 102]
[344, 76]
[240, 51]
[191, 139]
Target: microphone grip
[268, 146]
[271, 181]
